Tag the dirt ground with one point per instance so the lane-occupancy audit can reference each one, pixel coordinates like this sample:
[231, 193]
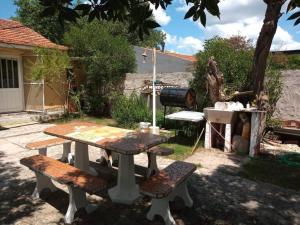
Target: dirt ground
[219, 198]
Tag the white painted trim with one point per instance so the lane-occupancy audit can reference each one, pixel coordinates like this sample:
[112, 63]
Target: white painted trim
[21, 80]
[43, 83]
[26, 47]
[13, 46]
[29, 83]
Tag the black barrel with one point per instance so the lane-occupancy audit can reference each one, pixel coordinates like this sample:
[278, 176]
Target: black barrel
[178, 97]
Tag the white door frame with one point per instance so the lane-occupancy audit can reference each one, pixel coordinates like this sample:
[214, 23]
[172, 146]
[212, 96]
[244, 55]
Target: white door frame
[20, 74]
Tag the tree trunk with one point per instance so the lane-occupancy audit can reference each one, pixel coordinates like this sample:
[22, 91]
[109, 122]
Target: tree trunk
[214, 82]
[264, 43]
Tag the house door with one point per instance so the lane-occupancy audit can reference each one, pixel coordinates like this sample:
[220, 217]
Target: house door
[11, 91]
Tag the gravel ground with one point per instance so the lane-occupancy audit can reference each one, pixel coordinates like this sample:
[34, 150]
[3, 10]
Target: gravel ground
[219, 198]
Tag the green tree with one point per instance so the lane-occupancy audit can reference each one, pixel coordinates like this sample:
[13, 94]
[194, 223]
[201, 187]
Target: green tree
[107, 58]
[29, 13]
[156, 39]
[233, 56]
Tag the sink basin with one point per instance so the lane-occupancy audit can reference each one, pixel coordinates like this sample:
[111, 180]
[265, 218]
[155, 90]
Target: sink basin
[219, 116]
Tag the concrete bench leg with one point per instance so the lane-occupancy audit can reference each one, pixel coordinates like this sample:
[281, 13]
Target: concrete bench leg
[161, 207]
[152, 164]
[42, 182]
[66, 151]
[77, 200]
[43, 151]
[182, 192]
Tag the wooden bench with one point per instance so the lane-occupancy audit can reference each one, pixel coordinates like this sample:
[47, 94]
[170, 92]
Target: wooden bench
[42, 146]
[165, 186]
[152, 153]
[78, 181]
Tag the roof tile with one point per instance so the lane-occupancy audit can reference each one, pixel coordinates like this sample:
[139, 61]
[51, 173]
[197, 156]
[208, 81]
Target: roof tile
[181, 56]
[13, 32]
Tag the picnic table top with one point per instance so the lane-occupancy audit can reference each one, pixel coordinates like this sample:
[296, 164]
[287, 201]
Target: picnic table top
[116, 139]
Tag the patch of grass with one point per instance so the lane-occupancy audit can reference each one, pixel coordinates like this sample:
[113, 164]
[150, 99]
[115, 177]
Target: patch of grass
[198, 165]
[182, 147]
[273, 172]
[180, 151]
[101, 121]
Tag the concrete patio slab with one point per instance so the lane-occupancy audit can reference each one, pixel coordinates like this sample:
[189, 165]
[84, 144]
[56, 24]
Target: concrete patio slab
[10, 120]
[219, 198]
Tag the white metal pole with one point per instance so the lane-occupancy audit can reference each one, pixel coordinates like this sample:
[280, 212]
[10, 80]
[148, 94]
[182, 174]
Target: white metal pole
[154, 90]
[43, 83]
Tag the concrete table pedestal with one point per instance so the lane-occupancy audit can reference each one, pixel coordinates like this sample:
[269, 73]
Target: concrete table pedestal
[126, 191]
[82, 158]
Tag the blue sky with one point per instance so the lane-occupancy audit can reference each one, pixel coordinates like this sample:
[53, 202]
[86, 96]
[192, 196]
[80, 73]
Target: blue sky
[7, 9]
[242, 17]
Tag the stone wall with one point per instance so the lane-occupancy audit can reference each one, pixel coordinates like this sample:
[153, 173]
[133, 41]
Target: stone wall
[135, 81]
[288, 106]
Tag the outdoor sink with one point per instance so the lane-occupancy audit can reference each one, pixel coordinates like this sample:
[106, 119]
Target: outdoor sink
[219, 116]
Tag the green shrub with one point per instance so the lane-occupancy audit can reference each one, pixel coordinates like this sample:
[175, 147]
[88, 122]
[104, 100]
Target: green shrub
[278, 61]
[273, 87]
[129, 111]
[293, 62]
[76, 98]
[281, 61]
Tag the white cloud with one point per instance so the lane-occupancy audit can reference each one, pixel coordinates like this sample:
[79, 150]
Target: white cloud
[187, 45]
[160, 15]
[243, 17]
[183, 6]
[284, 41]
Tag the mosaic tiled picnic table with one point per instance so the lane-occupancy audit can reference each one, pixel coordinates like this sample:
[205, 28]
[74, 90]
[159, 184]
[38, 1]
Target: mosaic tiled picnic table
[125, 142]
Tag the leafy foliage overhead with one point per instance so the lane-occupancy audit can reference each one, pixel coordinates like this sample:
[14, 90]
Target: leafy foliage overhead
[137, 12]
[29, 13]
[293, 4]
